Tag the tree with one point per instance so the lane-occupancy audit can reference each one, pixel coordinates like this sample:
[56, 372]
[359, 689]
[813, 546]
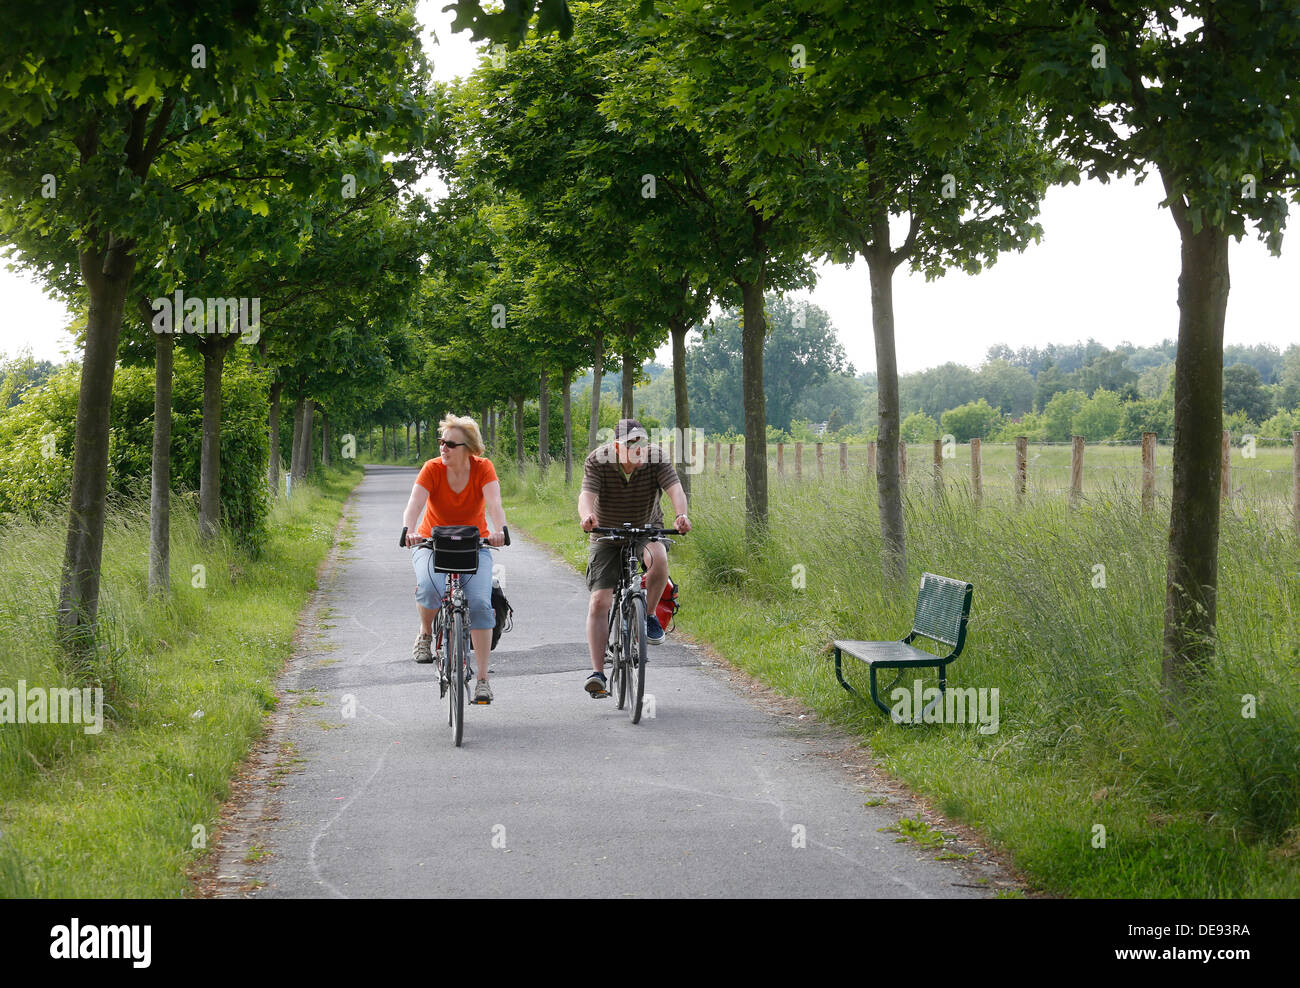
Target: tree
[129, 117]
[854, 113]
[974, 420]
[1100, 417]
[918, 428]
[1008, 389]
[1210, 107]
[1059, 413]
[1243, 391]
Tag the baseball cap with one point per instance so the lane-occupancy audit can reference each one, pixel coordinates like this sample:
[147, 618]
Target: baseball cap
[629, 429]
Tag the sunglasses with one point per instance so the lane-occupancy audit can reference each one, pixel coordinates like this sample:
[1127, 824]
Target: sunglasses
[449, 444]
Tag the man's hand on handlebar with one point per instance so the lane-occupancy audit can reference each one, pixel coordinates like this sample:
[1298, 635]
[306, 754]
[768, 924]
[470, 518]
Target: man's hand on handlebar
[588, 523]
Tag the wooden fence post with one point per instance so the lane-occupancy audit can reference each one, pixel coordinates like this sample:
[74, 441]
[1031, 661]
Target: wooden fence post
[780, 459]
[902, 462]
[844, 457]
[871, 456]
[1225, 480]
[938, 466]
[1148, 470]
[731, 457]
[976, 473]
[798, 461]
[1076, 471]
[1295, 480]
[1022, 467]
[717, 457]
[821, 466]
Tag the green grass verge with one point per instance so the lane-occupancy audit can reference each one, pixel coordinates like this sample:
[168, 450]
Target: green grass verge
[1208, 805]
[187, 682]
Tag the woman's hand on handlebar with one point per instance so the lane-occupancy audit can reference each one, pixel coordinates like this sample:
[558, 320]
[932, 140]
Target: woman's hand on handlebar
[496, 540]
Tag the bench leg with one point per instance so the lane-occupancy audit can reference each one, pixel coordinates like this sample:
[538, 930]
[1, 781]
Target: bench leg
[942, 670]
[875, 696]
[840, 675]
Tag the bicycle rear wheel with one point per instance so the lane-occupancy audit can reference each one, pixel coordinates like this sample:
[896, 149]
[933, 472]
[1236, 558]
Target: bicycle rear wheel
[634, 658]
[456, 656]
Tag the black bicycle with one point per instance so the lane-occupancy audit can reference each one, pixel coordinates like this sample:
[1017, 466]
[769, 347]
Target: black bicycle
[455, 553]
[625, 651]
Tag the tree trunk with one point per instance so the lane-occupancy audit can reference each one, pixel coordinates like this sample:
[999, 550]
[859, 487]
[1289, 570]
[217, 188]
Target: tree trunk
[324, 438]
[755, 329]
[519, 433]
[383, 441]
[295, 444]
[214, 364]
[1192, 595]
[408, 440]
[160, 473]
[568, 427]
[309, 435]
[418, 454]
[890, 493]
[107, 277]
[683, 413]
[273, 467]
[597, 371]
[543, 422]
[629, 365]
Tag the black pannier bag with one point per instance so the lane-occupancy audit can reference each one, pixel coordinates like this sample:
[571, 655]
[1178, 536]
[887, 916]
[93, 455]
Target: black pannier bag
[455, 548]
[503, 611]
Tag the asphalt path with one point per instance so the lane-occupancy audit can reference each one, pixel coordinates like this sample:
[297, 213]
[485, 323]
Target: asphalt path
[552, 793]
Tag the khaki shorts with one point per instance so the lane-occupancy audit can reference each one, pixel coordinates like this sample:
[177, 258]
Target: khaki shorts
[604, 560]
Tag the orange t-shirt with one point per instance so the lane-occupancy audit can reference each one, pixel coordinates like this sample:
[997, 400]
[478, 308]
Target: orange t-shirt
[447, 507]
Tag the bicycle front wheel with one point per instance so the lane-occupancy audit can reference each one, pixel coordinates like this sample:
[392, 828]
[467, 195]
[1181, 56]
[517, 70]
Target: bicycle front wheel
[614, 658]
[634, 659]
[456, 656]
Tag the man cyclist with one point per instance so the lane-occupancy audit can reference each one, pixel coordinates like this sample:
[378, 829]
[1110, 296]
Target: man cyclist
[622, 483]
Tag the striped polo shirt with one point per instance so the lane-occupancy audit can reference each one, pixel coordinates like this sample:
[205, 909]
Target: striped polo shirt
[622, 497]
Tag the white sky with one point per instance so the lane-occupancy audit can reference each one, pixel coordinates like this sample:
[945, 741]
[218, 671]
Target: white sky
[1107, 268]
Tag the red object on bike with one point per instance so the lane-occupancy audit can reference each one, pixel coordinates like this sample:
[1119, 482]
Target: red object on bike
[667, 605]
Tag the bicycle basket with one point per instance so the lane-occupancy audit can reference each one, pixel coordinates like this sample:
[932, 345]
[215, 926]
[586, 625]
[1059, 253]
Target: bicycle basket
[455, 548]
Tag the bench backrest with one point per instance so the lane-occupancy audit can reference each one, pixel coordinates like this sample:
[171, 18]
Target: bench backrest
[942, 610]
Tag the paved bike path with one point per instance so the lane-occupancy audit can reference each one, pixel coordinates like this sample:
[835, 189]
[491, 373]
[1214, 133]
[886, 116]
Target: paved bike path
[553, 793]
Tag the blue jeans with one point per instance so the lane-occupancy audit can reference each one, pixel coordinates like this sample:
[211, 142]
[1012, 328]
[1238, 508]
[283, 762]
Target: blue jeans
[430, 586]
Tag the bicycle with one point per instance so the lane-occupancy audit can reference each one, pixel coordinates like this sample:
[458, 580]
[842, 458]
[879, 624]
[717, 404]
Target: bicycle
[625, 652]
[455, 665]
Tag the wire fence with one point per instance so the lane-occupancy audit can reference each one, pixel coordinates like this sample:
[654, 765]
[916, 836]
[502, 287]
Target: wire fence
[1260, 470]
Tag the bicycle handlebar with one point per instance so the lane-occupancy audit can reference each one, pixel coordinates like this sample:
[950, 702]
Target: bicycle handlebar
[404, 543]
[630, 531]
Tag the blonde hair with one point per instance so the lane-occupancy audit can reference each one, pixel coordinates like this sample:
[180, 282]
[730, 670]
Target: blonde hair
[466, 425]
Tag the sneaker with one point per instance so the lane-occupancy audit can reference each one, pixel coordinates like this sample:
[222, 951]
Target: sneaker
[596, 685]
[422, 653]
[483, 692]
[654, 634]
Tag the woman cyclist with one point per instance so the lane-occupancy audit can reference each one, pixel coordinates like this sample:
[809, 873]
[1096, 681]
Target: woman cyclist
[457, 488]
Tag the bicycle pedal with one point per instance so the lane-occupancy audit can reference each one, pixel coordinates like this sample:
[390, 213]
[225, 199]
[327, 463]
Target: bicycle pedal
[603, 695]
[480, 703]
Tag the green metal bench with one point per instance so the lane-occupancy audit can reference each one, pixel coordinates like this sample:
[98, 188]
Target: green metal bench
[942, 611]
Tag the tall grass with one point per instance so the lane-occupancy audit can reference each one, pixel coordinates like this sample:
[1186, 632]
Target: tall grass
[1196, 798]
